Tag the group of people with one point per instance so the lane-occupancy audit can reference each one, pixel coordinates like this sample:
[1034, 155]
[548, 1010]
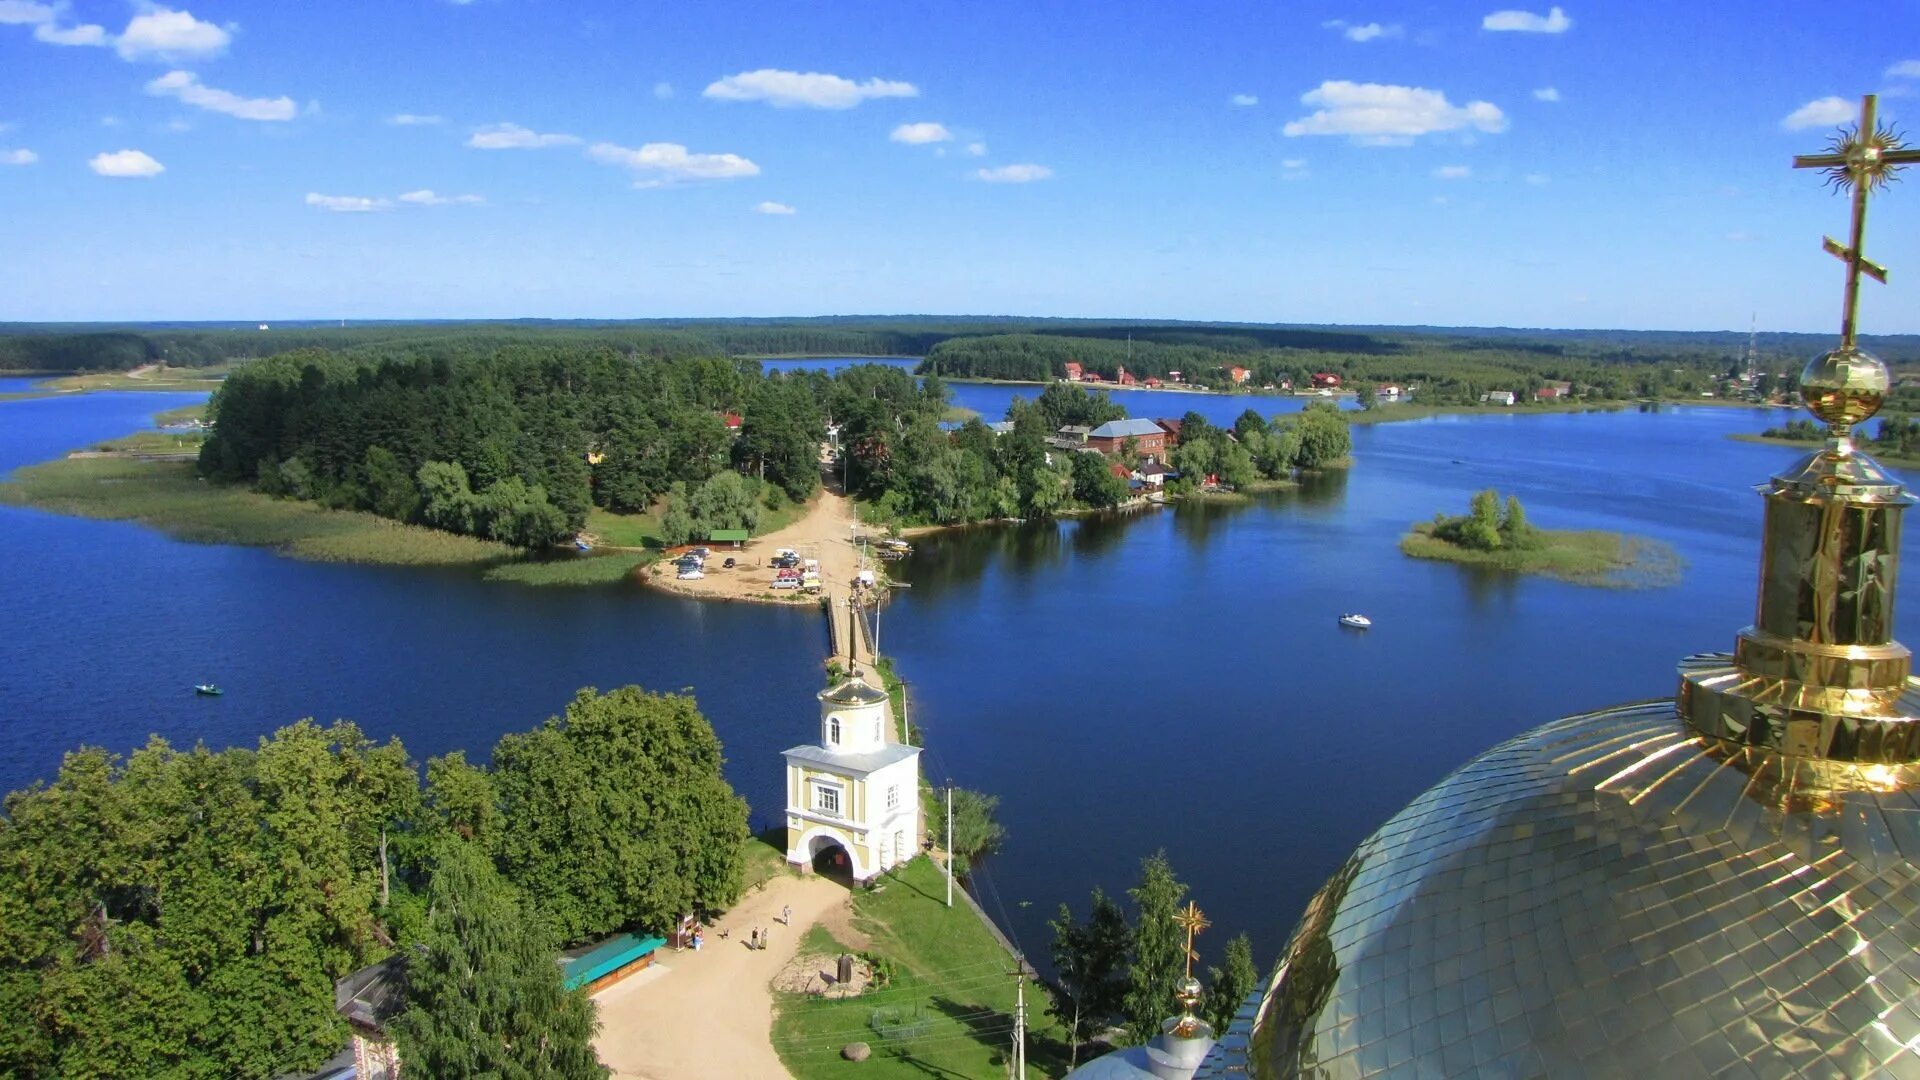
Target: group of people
[759, 938]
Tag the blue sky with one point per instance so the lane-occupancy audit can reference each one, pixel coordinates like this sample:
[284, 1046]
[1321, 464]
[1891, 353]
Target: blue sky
[1605, 165]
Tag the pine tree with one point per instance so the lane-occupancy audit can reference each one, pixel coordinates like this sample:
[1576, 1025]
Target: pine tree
[1227, 988]
[484, 996]
[1159, 949]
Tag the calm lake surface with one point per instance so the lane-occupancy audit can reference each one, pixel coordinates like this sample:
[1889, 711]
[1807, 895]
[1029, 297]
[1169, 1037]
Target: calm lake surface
[1172, 679]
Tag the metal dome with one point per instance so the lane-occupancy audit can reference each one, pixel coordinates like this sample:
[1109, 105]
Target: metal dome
[1615, 894]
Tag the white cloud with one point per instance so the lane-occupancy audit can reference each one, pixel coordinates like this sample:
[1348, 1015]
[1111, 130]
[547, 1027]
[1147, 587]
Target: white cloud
[347, 204]
[771, 207]
[1905, 69]
[18, 157]
[515, 137]
[407, 119]
[187, 86]
[1014, 174]
[45, 20]
[111, 121]
[1453, 172]
[1547, 93]
[1293, 169]
[125, 163]
[663, 164]
[976, 149]
[427, 197]
[25, 13]
[1372, 31]
[1537, 179]
[81, 34]
[159, 33]
[1555, 21]
[1821, 113]
[925, 132]
[1375, 114]
[812, 90]
[1243, 100]
[662, 90]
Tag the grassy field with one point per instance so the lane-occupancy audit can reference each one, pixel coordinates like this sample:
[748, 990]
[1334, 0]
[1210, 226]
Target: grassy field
[609, 568]
[949, 970]
[766, 859]
[170, 497]
[157, 378]
[154, 442]
[1610, 560]
[180, 415]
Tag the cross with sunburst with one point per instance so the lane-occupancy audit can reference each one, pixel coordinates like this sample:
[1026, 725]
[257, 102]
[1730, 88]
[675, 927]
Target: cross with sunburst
[1192, 920]
[1860, 159]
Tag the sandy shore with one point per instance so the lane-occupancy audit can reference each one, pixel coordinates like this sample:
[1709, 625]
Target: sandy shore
[825, 532]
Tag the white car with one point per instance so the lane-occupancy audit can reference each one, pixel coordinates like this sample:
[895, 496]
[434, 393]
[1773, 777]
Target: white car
[692, 575]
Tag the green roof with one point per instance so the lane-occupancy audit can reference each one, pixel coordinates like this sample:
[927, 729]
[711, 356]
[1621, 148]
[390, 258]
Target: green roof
[724, 535]
[609, 956]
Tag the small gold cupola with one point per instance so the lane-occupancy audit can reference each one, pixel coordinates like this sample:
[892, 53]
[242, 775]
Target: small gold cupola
[1818, 675]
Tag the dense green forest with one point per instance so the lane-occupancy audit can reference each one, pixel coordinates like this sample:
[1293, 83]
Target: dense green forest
[185, 913]
[94, 347]
[513, 444]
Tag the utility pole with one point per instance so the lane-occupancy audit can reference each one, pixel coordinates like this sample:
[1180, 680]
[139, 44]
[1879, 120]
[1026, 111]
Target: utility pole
[1019, 1070]
[949, 843]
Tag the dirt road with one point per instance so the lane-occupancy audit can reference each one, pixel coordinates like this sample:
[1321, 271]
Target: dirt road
[710, 1013]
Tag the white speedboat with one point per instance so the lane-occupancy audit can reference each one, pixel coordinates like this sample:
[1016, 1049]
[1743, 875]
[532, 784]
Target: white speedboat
[1358, 622]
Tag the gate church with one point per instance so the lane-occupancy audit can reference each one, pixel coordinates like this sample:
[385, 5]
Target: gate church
[853, 800]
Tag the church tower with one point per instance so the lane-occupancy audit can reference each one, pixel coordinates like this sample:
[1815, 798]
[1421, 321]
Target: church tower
[853, 798]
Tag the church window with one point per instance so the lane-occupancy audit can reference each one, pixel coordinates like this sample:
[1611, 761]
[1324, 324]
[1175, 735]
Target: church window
[827, 799]
[833, 730]
[893, 796]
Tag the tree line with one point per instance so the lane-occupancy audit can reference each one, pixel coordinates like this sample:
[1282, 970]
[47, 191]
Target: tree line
[517, 444]
[185, 913]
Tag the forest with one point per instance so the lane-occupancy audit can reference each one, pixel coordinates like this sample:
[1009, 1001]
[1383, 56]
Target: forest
[185, 913]
[1157, 345]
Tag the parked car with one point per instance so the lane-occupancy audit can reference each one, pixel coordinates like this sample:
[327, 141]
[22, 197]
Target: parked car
[728, 565]
[786, 583]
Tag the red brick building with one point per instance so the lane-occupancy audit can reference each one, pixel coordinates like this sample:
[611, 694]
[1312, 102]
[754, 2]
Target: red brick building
[1149, 439]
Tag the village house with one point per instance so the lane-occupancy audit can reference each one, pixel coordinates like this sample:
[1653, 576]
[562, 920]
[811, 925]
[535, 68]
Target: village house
[1173, 375]
[1238, 375]
[1389, 393]
[1499, 397]
[1125, 378]
[733, 421]
[1154, 474]
[1149, 439]
[1092, 377]
[1171, 427]
[1326, 380]
[1074, 372]
[1152, 383]
[1553, 392]
[1286, 384]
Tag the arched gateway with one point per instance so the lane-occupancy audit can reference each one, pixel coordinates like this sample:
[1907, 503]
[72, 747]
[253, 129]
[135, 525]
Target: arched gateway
[853, 799]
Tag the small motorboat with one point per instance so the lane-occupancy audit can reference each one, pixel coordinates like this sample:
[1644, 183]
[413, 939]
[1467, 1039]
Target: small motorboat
[1358, 622]
[207, 689]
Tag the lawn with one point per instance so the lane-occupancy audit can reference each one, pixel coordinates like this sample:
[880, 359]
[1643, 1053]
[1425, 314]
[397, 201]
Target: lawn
[953, 979]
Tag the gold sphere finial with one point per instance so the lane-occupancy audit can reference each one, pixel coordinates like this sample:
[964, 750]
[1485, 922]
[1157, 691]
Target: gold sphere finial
[1844, 387]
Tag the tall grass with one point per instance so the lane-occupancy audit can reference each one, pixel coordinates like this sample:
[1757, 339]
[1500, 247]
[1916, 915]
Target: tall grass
[171, 497]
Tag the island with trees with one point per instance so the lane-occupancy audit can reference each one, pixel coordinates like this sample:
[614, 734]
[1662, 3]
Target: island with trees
[1499, 537]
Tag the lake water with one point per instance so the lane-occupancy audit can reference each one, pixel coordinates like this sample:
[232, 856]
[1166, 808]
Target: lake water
[1173, 679]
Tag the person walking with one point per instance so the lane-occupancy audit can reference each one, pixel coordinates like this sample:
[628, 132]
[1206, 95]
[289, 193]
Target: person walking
[786, 915]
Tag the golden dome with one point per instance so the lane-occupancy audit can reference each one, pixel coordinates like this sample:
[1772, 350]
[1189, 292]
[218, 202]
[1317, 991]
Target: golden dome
[1616, 894]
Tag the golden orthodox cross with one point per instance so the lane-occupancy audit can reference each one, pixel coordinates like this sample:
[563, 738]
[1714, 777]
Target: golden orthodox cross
[1862, 160]
[1193, 921]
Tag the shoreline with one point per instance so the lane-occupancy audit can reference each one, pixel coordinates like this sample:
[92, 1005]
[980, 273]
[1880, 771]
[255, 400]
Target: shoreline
[1896, 460]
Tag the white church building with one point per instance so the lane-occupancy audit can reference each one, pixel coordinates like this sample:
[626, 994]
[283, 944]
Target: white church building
[853, 799]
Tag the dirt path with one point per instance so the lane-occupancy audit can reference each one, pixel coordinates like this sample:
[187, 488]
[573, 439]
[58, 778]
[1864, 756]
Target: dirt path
[824, 532]
[710, 1013]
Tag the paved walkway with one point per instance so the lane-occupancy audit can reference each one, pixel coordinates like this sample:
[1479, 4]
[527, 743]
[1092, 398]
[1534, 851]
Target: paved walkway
[710, 1013]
